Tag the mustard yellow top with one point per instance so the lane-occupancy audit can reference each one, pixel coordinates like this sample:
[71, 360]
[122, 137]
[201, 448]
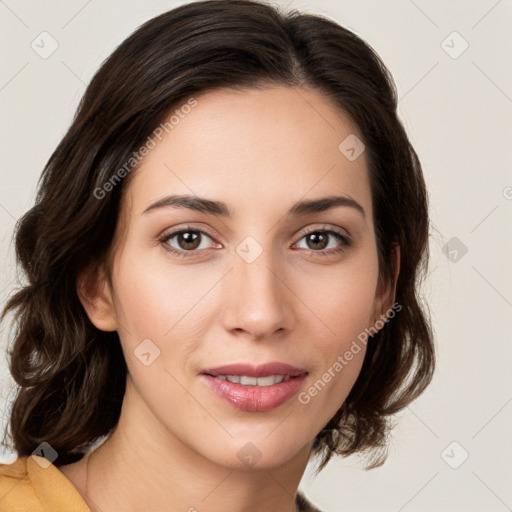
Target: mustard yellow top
[33, 484]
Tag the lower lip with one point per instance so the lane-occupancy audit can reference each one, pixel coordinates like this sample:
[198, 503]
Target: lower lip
[255, 398]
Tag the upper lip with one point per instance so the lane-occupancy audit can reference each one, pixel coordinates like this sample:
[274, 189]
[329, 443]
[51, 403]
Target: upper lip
[263, 370]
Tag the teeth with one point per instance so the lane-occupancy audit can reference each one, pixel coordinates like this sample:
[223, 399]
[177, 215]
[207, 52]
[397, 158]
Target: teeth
[269, 380]
[245, 380]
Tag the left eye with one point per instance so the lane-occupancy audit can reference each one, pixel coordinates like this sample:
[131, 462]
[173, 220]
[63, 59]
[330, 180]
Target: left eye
[318, 240]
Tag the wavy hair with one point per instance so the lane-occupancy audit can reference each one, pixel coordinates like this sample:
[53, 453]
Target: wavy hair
[71, 376]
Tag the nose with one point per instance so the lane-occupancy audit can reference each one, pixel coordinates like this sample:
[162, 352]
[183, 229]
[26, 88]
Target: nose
[259, 301]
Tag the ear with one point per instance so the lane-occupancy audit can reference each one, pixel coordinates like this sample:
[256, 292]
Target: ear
[385, 295]
[95, 295]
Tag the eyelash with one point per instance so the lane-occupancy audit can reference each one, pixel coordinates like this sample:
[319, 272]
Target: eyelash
[341, 236]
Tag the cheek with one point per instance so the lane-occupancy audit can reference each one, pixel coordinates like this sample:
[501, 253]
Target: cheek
[163, 302]
[338, 354]
[344, 303]
[342, 299]
[157, 309]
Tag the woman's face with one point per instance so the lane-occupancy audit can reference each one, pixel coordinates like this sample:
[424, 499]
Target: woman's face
[255, 286]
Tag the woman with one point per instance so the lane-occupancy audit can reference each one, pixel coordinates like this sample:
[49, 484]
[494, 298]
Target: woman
[223, 265]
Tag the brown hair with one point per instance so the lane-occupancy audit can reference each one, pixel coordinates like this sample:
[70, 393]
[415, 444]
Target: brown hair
[71, 376]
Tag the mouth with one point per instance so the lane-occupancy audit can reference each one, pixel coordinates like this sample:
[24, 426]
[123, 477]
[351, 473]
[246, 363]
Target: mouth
[255, 388]
[246, 380]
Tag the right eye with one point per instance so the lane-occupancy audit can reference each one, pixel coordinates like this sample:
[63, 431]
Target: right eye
[186, 240]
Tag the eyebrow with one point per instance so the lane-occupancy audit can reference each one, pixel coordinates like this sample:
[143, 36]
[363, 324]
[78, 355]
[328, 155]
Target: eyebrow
[203, 205]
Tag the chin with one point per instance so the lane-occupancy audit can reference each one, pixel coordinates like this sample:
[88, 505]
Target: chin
[258, 455]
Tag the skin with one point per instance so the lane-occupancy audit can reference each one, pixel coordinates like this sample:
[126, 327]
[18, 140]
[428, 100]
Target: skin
[176, 444]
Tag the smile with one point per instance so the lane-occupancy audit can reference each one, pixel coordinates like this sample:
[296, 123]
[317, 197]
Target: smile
[246, 380]
[252, 396]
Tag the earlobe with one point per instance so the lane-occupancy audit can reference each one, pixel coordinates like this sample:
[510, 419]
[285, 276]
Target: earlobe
[94, 292]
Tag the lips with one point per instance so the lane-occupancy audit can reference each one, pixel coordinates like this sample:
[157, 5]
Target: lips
[254, 391]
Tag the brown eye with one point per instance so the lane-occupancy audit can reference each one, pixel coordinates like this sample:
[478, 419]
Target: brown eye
[320, 241]
[317, 240]
[185, 241]
[188, 240]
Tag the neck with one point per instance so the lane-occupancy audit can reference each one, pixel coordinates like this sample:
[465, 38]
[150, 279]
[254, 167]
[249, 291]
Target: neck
[133, 468]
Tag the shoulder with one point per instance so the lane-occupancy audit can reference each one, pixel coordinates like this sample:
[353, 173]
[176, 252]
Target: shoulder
[17, 492]
[33, 483]
[304, 505]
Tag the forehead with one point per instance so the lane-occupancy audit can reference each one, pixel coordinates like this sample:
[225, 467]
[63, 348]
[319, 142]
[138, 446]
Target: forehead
[253, 146]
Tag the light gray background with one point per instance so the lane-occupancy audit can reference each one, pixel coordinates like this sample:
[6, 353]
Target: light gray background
[457, 112]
